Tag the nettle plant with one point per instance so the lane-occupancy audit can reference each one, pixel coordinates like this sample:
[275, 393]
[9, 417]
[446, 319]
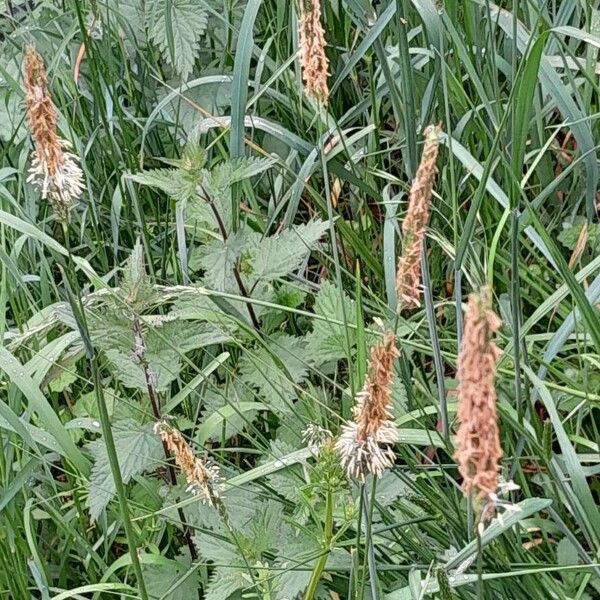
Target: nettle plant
[253, 369]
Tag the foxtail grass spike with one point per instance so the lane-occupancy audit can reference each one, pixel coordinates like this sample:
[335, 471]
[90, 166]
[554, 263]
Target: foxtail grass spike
[203, 478]
[54, 170]
[365, 445]
[313, 60]
[408, 275]
[478, 450]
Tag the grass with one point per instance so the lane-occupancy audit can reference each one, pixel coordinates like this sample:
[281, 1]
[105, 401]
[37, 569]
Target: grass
[515, 88]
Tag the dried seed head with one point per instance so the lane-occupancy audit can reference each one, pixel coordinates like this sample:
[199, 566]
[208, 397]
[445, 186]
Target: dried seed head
[365, 444]
[313, 60]
[54, 170]
[315, 437]
[408, 276]
[478, 439]
[203, 478]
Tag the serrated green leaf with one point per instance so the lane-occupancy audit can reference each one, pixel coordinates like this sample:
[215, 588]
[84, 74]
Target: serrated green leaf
[169, 580]
[225, 581]
[226, 412]
[139, 449]
[329, 338]
[220, 257]
[186, 22]
[280, 254]
[276, 372]
[176, 183]
[239, 169]
[165, 345]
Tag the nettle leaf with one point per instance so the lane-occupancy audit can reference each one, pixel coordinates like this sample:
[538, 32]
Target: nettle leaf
[183, 25]
[233, 403]
[131, 17]
[569, 236]
[281, 254]
[288, 481]
[220, 257]
[176, 183]
[226, 581]
[297, 556]
[167, 574]
[166, 342]
[239, 169]
[139, 449]
[136, 289]
[328, 340]
[276, 372]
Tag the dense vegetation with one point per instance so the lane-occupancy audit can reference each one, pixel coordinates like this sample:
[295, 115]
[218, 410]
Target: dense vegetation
[216, 292]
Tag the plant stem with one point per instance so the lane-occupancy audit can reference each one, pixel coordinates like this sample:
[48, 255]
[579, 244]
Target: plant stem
[367, 509]
[236, 268]
[327, 535]
[480, 595]
[140, 353]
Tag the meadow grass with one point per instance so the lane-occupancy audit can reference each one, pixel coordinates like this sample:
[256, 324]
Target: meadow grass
[229, 270]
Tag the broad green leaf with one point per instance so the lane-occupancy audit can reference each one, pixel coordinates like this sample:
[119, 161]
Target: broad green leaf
[239, 169]
[171, 579]
[176, 183]
[186, 22]
[226, 581]
[229, 419]
[280, 254]
[226, 412]
[220, 258]
[165, 345]
[275, 372]
[329, 338]
[139, 449]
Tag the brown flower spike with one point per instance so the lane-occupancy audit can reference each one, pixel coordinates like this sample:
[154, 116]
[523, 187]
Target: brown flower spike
[365, 444]
[203, 478]
[313, 60]
[54, 170]
[478, 439]
[408, 275]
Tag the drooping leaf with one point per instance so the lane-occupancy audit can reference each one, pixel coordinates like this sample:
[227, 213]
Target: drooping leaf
[138, 448]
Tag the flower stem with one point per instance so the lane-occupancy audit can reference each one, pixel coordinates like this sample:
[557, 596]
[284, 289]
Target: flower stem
[327, 535]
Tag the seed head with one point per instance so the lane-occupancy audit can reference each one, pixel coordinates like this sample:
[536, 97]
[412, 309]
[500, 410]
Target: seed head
[365, 444]
[408, 276]
[478, 438]
[203, 478]
[54, 170]
[313, 60]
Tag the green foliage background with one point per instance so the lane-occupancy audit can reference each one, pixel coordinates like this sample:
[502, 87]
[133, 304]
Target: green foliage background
[251, 237]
